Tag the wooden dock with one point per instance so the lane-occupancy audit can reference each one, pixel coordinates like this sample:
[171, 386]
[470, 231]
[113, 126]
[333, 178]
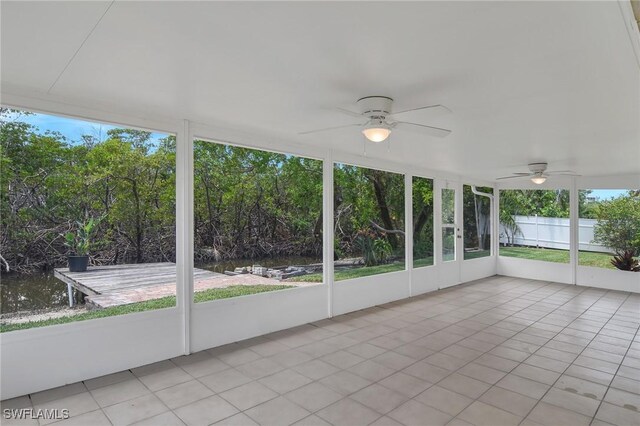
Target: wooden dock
[114, 285]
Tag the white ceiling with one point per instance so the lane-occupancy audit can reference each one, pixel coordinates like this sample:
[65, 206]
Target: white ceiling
[527, 81]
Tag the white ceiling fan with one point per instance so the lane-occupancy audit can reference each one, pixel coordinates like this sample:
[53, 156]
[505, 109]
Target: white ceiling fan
[377, 119]
[538, 174]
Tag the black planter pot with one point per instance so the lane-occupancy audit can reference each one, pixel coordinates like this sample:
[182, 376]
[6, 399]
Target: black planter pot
[78, 263]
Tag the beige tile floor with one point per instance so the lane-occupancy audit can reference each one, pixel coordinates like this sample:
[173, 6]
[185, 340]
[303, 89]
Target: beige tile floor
[499, 351]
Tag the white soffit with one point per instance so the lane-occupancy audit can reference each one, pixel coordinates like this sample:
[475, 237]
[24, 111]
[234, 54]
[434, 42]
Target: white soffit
[528, 81]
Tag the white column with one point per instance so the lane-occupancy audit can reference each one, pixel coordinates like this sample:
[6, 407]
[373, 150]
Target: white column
[437, 221]
[184, 229]
[459, 225]
[408, 228]
[495, 217]
[327, 224]
[574, 213]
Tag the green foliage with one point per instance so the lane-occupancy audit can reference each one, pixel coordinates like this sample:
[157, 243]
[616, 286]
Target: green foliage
[364, 244]
[626, 262]
[48, 182]
[423, 248]
[367, 201]
[476, 216]
[254, 204]
[422, 217]
[541, 202]
[586, 207]
[382, 249]
[79, 242]
[375, 249]
[618, 225]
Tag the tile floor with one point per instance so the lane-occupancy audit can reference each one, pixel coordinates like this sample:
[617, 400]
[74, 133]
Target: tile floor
[499, 351]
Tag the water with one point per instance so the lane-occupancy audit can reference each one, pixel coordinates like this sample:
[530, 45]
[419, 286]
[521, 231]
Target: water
[26, 292]
[230, 265]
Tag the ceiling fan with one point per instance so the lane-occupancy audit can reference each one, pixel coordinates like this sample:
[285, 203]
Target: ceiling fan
[538, 173]
[377, 119]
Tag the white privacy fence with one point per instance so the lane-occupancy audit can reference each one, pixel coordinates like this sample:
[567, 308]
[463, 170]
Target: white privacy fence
[551, 232]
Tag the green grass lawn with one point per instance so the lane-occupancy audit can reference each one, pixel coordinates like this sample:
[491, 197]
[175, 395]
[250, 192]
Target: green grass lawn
[476, 254]
[599, 260]
[585, 258]
[347, 274]
[366, 271]
[419, 263]
[165, 302]
[428, 261]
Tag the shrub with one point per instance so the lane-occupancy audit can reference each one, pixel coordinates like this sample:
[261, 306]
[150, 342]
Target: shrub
[625, 261]
[375, 250]
[618, 225]
[382, 249]
[422, 248]
[364, 242]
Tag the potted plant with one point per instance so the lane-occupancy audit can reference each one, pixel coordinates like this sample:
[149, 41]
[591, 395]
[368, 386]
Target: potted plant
[78, 243]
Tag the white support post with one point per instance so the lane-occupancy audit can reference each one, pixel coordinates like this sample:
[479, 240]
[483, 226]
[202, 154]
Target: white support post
[184, 230]
[437, 221]
[574, 213]
[70, 293]
[328, 237]
[408, 227]
[459, 225]
[495, 244]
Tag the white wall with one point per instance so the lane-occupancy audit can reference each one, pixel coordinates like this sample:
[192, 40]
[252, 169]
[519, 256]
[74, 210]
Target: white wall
[535, 269]
[611, 279]
[42, 358]
[224, 321]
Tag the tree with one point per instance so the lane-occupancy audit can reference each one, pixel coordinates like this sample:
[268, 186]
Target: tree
[476, 215]
[368, 204]
[422, 217]
[49, 183]
[618, 225]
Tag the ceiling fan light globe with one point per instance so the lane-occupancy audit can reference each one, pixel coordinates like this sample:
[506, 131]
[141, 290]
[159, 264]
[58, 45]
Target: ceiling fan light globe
[538, 180]
[376, 134]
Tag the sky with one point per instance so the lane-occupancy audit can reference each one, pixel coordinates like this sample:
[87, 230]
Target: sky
[73, 129]
[606, 194]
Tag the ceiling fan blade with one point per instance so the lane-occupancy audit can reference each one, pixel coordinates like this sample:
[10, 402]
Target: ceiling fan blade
[349, 112]
[434, 110]
[562, 172]
[512, 177]
[429, 130]
[326, 129]
[522, 174]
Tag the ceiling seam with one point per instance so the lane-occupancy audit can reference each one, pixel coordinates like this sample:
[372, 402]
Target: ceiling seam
[80, 47]
[633, 37]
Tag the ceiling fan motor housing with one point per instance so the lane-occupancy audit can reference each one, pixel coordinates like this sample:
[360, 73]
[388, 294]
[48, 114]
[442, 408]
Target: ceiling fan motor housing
[537, 167]
[375, 106]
